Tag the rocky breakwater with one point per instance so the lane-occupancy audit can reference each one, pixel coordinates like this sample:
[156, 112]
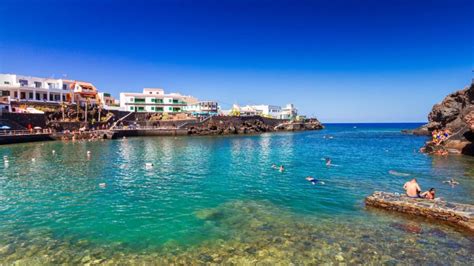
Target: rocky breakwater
[455, 114]
[227, 125]
[453, 213]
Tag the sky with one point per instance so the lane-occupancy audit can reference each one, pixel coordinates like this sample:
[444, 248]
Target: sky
[340, 61]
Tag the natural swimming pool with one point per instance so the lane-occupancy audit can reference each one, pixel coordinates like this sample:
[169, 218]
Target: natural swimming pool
[217, 199]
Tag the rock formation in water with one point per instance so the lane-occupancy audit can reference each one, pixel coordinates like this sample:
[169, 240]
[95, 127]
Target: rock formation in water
[225, 125]
[456, 113]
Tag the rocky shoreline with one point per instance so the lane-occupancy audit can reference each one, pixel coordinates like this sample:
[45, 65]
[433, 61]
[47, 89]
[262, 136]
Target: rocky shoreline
[222, 125]
[456, 114]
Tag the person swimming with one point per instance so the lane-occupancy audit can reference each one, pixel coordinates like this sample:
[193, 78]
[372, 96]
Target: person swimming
[451, 182]
[313, 180]
[328, 161]
[274, 166]
[282, 169]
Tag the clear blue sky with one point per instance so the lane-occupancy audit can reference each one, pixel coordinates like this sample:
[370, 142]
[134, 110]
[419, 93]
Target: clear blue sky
[342, 61]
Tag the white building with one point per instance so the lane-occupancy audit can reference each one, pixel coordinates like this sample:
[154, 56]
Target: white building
[155, 100]
[270, 111]
[289, 112]
[108, 101]
[27, 89]
[33, 89]
[202, 108]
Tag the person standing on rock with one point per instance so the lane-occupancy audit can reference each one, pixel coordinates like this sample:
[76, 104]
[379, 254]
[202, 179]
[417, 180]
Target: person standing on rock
[412, 188]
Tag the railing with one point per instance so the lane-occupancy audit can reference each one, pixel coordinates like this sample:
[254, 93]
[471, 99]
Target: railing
[145, 128]
[21, 132]
[120, 120]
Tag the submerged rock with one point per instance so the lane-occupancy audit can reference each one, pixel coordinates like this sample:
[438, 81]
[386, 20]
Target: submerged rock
[409, 228]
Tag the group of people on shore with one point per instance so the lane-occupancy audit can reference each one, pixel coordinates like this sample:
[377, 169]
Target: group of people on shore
[438, 136]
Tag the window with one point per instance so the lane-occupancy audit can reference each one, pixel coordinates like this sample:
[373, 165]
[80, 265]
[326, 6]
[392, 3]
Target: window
[45, 96]
[51, 97]
[23, 82]
[6, 82]
[15, 94]
[5, 93]
[51, 85]
[57, 97]
[64, 98]
[141, 108]
[30, 95]
[140, 100]
[131, 108]
[64, 86]
[153, 108]
[22, 95]
[37, 84]
[159, 109]
[38, 97]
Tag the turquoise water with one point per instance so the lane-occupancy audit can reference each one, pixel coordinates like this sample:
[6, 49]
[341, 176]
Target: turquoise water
[217, 199]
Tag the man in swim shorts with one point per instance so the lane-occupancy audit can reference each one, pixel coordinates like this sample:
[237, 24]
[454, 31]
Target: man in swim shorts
[412, 188]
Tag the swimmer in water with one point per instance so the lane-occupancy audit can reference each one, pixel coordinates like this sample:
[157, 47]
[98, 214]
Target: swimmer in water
[282, 169]
[451, 182]
[274, 166]
[313, 180]
[328, 161]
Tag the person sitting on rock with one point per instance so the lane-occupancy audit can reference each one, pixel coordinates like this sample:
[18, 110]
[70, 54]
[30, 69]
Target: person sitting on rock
[430, 194]
[434, 136]
[412, 188]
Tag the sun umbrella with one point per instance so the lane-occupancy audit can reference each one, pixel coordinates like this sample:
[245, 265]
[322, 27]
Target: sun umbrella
[37, 128]
[4, 127]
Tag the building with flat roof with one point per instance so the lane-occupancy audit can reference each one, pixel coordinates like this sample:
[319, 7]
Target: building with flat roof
[108, 101]
[33, 89]
[264, 110]
[202, 108]
[155, 100]
[27, 89]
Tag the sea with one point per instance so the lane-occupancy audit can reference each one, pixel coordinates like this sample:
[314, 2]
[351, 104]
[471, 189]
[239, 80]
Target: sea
[221, 200]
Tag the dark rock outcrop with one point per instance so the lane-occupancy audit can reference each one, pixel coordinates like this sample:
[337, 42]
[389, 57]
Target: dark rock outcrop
[225, 125]
[456, 113]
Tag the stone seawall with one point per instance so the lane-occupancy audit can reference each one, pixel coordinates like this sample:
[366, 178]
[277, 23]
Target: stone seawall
[12, 139]
[450, 212]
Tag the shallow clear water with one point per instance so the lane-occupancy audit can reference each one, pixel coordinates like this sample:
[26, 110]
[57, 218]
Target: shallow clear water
[217, 199]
